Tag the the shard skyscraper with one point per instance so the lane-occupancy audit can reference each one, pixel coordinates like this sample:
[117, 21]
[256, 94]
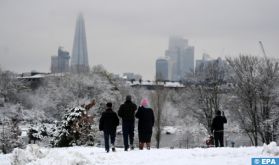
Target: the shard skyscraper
[79, 59]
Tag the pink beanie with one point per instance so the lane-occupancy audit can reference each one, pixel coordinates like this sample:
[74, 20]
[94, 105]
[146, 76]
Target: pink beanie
[144, 102]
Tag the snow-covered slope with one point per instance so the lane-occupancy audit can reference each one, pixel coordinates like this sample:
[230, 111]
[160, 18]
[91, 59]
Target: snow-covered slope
[34, 155]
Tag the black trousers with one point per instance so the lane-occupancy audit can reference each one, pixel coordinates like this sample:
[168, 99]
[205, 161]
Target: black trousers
[109, 134]
[219, 138]
[128, 132]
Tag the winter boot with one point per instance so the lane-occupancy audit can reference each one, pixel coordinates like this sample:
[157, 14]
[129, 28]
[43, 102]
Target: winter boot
[132, 147]
[141, 145]
[113, 148]
[148, 146]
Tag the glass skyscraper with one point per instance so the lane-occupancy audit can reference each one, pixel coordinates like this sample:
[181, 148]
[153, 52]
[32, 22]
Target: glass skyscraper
[79, 59]
[180, 57]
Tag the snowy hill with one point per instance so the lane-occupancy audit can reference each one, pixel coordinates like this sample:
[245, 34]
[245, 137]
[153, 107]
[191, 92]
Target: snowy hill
[35, 155]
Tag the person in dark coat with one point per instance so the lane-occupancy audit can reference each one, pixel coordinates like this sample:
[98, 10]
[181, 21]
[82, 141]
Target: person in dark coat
[108, 123]
[217, 128]
[127, 113]
[145, 124]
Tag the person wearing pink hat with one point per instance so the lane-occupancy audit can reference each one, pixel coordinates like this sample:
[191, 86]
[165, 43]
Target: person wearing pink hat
[146, 119]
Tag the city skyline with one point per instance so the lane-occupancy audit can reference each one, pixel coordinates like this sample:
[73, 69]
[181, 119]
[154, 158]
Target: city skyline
[180, 57]
[123, 36]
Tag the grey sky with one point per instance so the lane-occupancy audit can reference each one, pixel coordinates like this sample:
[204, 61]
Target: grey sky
[128, 35]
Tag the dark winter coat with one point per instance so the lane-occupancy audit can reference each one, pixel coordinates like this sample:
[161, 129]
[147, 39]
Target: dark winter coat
[218, 123]
[146, 119]
[127, 111]
[108, 121]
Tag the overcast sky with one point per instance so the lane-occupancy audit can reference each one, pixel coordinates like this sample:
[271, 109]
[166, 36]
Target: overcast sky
[129, 35]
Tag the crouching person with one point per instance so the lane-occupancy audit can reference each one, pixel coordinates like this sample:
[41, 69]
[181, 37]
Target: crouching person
[108, 123]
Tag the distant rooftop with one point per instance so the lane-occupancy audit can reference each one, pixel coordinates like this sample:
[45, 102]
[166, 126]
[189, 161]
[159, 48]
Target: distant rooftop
[153, 83]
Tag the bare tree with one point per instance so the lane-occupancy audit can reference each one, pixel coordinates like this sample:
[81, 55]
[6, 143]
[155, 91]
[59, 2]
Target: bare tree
[268, 80]
[256, 80]
[209, 77]
[158, 99]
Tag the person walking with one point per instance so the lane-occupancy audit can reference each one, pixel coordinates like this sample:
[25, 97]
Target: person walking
[108, 124]
[146, 119]
[217, 128]
[127, 113]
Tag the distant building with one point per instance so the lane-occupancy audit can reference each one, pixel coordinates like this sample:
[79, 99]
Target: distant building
[201, 62]
[132, 76]
[33, 79]
[162, 70]
[202, 67]
[79, 60]
[54, 64]
[206, 60]
[153, 85]
[60, 63]
[180, 57]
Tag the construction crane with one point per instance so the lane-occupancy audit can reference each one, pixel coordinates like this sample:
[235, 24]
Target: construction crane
[262, 48]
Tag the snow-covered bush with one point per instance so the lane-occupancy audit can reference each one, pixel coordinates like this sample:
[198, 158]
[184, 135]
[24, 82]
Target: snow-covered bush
[36, 132]
[75, 129]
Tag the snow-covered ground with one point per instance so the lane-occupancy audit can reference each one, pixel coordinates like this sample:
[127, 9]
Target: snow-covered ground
[35, 155]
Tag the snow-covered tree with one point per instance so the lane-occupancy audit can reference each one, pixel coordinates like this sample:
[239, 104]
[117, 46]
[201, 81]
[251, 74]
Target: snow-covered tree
[256, 82]
[245, 68]
[75, 128]
[267, 85]
[204, 98]
[9, 135]
[10, 86]
[36, 132]
[58, 93]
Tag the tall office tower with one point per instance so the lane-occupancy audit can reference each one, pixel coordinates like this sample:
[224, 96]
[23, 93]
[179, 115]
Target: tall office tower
[181, 58]
[79, 61]
[60, 63]
[162, 69]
